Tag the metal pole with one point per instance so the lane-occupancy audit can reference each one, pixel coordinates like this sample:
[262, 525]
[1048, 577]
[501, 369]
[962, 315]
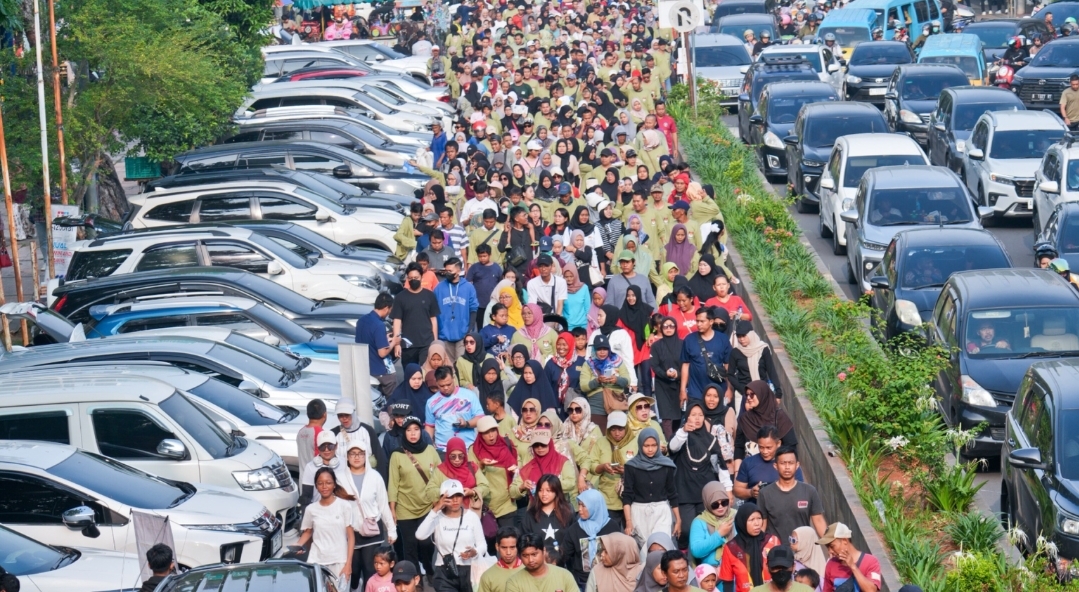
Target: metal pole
[16, 265]
[56, 99]
[44, 137]
[692, 74]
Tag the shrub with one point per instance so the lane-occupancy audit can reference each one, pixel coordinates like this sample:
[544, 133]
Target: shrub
[975, 532]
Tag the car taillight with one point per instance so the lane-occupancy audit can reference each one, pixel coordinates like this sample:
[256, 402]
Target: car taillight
[444, 98]
[59, 304]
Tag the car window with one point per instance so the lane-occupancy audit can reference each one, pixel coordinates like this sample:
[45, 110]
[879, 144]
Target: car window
[207, 163]
[30, 500]
[297, 101]
[858, 165]
[823, 131]
[249, 408]
[1013, 332]
[294, 246]
[929, 87]
[244, 137]
[87, 264]
[290, 66]
[1049, 166]
[869, 54]
[167, 322]
[23, 556]
[272, 135]
[921, 10]
[280, 208]
[1043, 435]
[929, 267]
[47, 426]
[271, 68]
[968, 64]
[1022, 143]
[217, 209]
[1068, 444]
[330, 138]
[128, 434]
[261, 161]
[315, 162]
[185, 255]
[198, 426]
[173, 212]
[283, 577]
[229, 254]
[1072, 175]
[898, 207]
[120, 482]
[720, 55]
[980, 135]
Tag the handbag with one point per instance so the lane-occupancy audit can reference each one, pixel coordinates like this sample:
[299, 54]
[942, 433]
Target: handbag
[519, 255]
[613, 401]
[715, 372]
[490, 524]
[369, 527]
[5, 259]
[449, 560]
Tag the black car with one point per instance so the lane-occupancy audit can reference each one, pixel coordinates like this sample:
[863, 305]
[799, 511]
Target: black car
[915, 267]
[996, 323]
[768, 69]
[810, 144]
[958, 109]
[1061, 11]
[1062, 231]
[774, 119]
[1039, 491]
[996, 33]
[74, 299]
[912, 94]
[309, 156]
[1041, 82]
[739, 7]
[870, 68]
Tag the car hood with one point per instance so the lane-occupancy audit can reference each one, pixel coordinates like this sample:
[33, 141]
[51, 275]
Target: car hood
[325, 266]
[883, 235]
[924, 299]
[919, 107]
[998, 375]
[337, 310]
[817, 153]
[1022, 168]
[1030, 72]
[1067, 496]
[722, 73]
[95, 569]
[782, 130]
[873, 71]
[317, 385]
[961, 134]
[214, 505]
[328, 342]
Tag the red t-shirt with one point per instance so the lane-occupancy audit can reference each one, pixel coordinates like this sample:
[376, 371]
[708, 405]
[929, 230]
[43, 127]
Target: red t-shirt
[667, 125]
[835, 572]
[732, 305]
[687, 321]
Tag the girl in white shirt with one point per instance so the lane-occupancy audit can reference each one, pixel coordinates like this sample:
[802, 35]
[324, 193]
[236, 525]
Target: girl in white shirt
[372, 508]
[328, 525]
[457, 533]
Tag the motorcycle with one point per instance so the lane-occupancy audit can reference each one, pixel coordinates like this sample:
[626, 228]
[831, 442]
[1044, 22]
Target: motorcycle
[1004, 76]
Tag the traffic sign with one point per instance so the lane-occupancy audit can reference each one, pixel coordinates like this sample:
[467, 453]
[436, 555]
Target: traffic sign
[667, 20]
[685, 16]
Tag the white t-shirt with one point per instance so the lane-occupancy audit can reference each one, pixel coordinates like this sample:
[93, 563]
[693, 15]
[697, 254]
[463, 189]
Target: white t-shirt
[538, 291]
[475, 206]
[329, 543]
[444, 529]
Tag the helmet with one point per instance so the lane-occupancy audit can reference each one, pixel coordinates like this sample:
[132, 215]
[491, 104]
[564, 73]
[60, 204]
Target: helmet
[935, 23]
[878, 31]
[785, 20]
[829, 37]
[1059, 265]
[1044, 249]
[1067, 30]
[1070, 19]
[1016, 42]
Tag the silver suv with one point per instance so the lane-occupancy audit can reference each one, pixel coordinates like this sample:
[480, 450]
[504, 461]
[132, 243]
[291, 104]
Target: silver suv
[1057, 179]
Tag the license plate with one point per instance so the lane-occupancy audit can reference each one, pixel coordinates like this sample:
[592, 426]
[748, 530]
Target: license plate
[877, 92]
[275, 542]
[1042, 96]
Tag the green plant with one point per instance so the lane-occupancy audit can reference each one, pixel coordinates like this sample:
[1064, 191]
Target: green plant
[975, 532]
[977, 572]
[953, 488]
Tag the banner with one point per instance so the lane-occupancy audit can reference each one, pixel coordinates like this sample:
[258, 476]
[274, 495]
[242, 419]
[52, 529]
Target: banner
[63, 239]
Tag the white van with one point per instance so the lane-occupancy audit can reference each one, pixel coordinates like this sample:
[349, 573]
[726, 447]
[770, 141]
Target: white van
[147, 424]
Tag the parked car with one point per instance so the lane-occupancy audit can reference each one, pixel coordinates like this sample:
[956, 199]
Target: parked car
[915, 267]
[777, 109]
[809, 146]
[1062, 231]
[912, 96]
[851, 157]
[327, 131]
[1056, 180]
[321, 73]
[721, 59]
[74, 299]
[996, 323]
[280, 64]
[1004, 151]
[871, 66]
[829, 65]
[958, 109]
[763, 71]
[1039, 452]
[896, 198]
[66, 497]
[146, 424]
[297, 95]
[416, 139]
[381, 57]
[43, 568]
[996, 33]
[286, 574]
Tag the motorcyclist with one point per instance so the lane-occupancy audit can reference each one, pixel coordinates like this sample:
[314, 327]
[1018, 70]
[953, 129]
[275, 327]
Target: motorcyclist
[832, 45]
[1017, 53]
[927, 30]
[1044, 253]
[878, 34]
[809, 31]
[1060, 266]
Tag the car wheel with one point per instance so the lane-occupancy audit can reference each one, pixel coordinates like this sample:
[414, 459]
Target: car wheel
[1006, 517]
[822, 230]
[851, 278]
[983, 201]
[837, 249]
[801, 206]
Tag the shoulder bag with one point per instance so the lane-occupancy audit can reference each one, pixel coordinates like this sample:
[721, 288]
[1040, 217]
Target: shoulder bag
[850, 585]
[418, 469]
[715, 371]
[449, 560]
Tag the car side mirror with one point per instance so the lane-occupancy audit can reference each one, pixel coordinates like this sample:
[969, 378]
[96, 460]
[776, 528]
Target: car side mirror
[81, 518]
[1026, 458]
[756, 119]
[833, 67]
[173, 449]
[879, 282]
[1049, 187]
[939, 127]
[248, 386]
[791, 140]
[323, 216]
[274, 268]
[342, 171]
[976, 154]
[850, 216]
[842, 62]
[743, 98]
[985, 212]
[891, 95]
[272, 340]
[827, 183]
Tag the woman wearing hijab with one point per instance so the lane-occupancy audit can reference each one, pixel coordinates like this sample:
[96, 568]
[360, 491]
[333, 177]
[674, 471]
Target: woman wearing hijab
[576, 306]
[648, 490]
[411, 467]
[760, 408]
[807, 553]
[652, 577]
[521, 437]
[626, 120]
[506, 294]
[703, 282]
[666, 363]
[490, 381]
[692, 449]
[533, 385]
[535, 334]
[546, 460]
[657, 541]
[599, 295]
[584, 256]
[722, 422]
[751, 359]
[436, 356]
[563, 370]
[609, 185]
[580, 540]
[468, 364]
[745, 557]
[665, 287]
[710, 530]
[578, 426]
[414, 390]
[633, 241]
[497, 458]
[546, 189]
[621, 342]
[518, 179]
[653, 147]
[617, 566]
[680, 250]
[634, 317]
[457, 466]
[636, 111]
[567, 162]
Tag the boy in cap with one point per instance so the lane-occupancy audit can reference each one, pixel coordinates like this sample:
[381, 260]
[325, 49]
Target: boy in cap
[848, 562]
[406, 578]
[781, 567]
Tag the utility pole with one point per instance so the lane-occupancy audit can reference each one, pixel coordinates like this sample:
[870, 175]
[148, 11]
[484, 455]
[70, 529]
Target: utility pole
[16, 265]
[44, 139]
[56, 99]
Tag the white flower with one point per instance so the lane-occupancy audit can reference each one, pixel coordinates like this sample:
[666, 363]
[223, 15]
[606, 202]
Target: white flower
[1016, 536]
[1048, 546]
[898, 442]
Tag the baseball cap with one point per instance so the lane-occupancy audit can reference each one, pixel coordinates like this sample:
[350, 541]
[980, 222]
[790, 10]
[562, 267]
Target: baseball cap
[626, 255]
[544, 260]
[680, 205]
[344, 407]
[430, 217]
[452, 487]
[590, 183]
[325, 437]
[404, 571]
[601, 342]
[401, 409]
[607, 152]
[486, 424]
[836, 530]
[616, 419]
[631, 153]
[546, 243]
[743, 328]
[541, 437]
[357, 443]
[656, 188]
[602, 205]
[780, 556]
[564, 188]
[557, 171]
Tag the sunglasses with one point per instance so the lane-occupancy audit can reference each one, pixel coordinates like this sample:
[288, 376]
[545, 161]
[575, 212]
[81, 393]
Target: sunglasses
[456, 456]
[543, 425]
[792, 540]
[327, 446]
[751, 395]
[668, 326]
[539, 445]
[639, 407]
[576, 410]
[720, 504]
[470, 342]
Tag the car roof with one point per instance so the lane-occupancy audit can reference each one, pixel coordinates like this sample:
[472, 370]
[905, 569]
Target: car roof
[911, 177]
[827, 108]
[932, 68]
[850, 15]
[137, 342]
[960, 42]
[715, 40]
[155, 235]
[788, 88]
[290, 89]
[263, 146]
[746, 19]
[173, 303]
[299, 121]
[947, 237]
[247, 184]
[88, 386]
[40, 455]
[175, 274]
[1024, 120]
[880, 43]
[993, 23]
[981, 94]
[879, 143]
[800, 48]
[989, 288]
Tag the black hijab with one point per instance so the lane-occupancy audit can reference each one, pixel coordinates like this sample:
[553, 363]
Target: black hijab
[546, 193]
[610, 189]
[702, 285]
[528, 356]
[668, 350]
[487, 390]
[574, 223]
[635, 317]
[604, 106]
[700, 441]
[724, 315]
[404, 393]
[752, 547]
[718, 415]
[539, 390]
[407, 446]
[477, 357]
[610, 320]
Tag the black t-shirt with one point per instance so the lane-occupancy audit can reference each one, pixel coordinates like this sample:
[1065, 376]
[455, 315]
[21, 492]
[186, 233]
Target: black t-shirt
[787, 510]
[415, 311]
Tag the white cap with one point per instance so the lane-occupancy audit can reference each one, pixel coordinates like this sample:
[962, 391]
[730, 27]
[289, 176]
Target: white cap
[357, 443]
[557, 171]
[602, 205]
[451, 487]
[616, 420]
[325, 437]
[485, 424]
[344, 407]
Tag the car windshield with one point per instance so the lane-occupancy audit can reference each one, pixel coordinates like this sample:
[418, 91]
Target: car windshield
[720, 55]
[1073, 175]
[248, 364]
[968, 64]
[129, 486]
[1059, 56]
[321, 200]
[785, 109]
[332, 182]
[198, 425]
[930, 267]
[846, 37]
[1067, 238]
[821, 132]
[906, 207]
[882, 55]
[993, 35]
[386, 96]
[966, 115]
[256, 577]
[725, 9]
[757, 28]
[281, 252]
[23, 556]
[1023, 143]
[285, 328]
[267, 352]
[858, 165]
[929, 87]
[1049, 332]
[249, 408]
[371, 103]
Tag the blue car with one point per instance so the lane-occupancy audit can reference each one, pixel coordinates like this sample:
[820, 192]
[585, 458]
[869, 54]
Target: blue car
[242, 315]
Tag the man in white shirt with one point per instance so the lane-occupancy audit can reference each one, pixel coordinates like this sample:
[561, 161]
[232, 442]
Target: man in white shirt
[477, 204]
[549, 291]
[422, 48]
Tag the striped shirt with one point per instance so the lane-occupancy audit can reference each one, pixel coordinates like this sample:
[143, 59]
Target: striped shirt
[458, 238]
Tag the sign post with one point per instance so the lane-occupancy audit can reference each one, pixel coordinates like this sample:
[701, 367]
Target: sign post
[685, 16]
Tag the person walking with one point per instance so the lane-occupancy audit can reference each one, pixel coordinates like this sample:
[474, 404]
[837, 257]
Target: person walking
[666, 351]
[848, 562]
[648, 490]
[1069, 103]
[605, 377]
[458, 538]
[351, 429]
[744, 563]
[415, 317]
[457, 306]
[759, 409]
[538, 575]
[750, 360]
[710, 530]
[497, 576]
[617, 565]
[781, 569]
[580, 540]
[457, 466]
[452, 411]
[493, 452]
[704, 358]
[328, 525]
[375, 525]
[548, 512]
[789, 503]
[371, 330]
[692, 449]
[411, 468]
[759, 469]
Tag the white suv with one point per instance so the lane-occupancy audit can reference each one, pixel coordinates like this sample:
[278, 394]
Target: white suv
[1004, 150]
[266, 200]
[63, 496]
[318, 279]
[851, 157]
[1057, 179]
[828, 66]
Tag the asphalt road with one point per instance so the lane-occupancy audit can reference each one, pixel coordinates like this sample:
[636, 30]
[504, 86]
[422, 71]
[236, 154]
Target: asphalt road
[1016, 234]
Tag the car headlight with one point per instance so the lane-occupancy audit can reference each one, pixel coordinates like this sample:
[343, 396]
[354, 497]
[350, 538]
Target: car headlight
[847, 204]
[909, 116]
[974, 394]
[960, 146]
[812, 163]
[1002, 179]
[907, 312]
[1068, 524]
[390, 227]
[853, 79]
[385, 268]
[361, 281]
[872, 246]
[772, 141]
[257, 480]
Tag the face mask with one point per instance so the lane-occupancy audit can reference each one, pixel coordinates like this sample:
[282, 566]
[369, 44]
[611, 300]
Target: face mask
[414, 284]
[782, 578]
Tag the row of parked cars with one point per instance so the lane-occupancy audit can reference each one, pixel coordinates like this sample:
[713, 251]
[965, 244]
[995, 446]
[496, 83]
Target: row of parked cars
[169, 373]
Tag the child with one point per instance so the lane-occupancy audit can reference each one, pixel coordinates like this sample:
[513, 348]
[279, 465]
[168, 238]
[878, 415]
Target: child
[306, 437]
[706, 577]
[406, 578]
[384, 561]
[809, 577]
